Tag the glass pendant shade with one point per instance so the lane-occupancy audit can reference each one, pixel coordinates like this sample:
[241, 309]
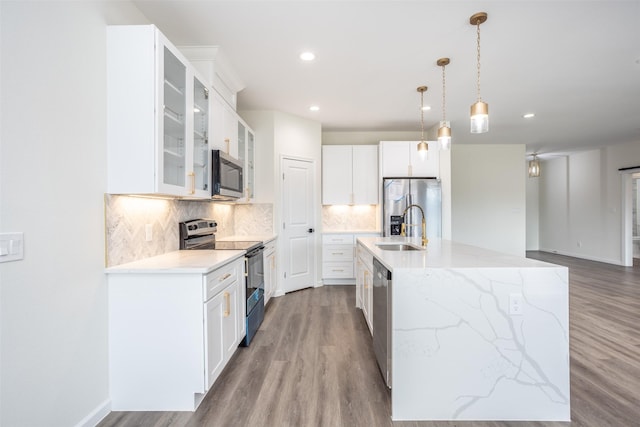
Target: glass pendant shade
[444, 135]
[423, 148]
[480, 117]
[534, 167]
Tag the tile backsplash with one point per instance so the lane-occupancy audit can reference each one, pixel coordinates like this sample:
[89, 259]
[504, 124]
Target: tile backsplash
[350, 218]
[126, 218]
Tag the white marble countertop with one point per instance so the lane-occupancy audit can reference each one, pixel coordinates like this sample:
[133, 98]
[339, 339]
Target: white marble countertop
[351, 232]
[179, 262]
[441, 253]
[264, 238]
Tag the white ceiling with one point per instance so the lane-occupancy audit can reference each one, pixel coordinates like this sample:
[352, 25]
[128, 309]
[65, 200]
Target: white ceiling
[575, 64]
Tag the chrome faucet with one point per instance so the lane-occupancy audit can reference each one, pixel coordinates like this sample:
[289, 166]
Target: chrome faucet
[403, 230]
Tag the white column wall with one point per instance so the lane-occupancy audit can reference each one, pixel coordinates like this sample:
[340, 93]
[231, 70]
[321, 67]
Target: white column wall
[533, 211]
[489, 197]
[54, 367]
[581, 202]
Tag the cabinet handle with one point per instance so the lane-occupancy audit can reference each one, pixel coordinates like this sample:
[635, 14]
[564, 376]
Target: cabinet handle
[228, 142]
[225, 277]
[227, 303]
[410, 170]
[248, 192]
[193, 183]
[337, 253]
[335, 269]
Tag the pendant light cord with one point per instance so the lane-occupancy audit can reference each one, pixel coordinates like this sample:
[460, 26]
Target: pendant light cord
[444, 114]
[478, 31]
[421, 116]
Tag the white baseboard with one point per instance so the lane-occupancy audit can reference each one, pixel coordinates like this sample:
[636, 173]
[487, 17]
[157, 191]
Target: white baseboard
[96, 415]
[581, 256]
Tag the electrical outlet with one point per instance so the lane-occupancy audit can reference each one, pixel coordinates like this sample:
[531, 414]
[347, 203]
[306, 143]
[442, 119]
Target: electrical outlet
[515, 304]
[148, 231]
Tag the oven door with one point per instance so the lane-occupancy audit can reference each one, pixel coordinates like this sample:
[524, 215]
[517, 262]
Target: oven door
[254, 277]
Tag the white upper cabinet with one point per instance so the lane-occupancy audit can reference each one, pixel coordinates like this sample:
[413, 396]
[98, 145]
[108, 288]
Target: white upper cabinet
[155, 139]
[365, 174]
[246, 150]
[225, 126]
[401, 159]
[349, 174]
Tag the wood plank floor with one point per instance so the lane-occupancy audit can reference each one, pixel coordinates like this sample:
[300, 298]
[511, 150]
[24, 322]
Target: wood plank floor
[312, 362]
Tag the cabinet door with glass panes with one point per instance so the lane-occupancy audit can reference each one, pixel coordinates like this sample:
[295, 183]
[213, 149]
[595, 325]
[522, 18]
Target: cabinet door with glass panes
[173, 100]
[158, 117]
[199, 174]
[246, 149]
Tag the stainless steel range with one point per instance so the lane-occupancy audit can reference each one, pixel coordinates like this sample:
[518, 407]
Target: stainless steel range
[200, 234]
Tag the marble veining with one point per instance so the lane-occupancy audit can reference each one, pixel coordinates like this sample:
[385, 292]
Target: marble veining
[459, 351]
[474, 360]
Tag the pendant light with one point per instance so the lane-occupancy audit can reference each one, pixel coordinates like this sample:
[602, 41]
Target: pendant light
[444, 131]
[534, 167]
[423, 147]
[479, 110]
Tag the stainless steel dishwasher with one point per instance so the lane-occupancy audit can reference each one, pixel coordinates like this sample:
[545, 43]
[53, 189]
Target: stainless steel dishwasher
[382, 319]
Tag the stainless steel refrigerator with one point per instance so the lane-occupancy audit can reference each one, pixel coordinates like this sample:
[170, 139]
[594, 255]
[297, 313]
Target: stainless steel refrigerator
[398, 193]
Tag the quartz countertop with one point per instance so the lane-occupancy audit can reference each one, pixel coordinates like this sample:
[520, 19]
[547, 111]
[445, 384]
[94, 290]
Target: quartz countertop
[264, 238]
[351, 232]
[441, 253]
[179, 262]
[475, 334]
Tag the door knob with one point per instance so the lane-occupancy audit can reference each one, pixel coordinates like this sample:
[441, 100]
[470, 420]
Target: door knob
[311, 230]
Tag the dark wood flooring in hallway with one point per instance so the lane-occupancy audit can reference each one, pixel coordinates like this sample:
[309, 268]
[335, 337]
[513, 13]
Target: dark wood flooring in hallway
[312, 363]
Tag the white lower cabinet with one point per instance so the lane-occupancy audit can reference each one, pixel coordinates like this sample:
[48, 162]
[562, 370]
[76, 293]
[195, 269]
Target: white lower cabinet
[338, 258]
[222, 330]
[171, 334]
[270, 270]
[364, 285]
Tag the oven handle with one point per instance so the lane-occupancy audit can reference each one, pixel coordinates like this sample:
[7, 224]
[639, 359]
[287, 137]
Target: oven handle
[246, 267]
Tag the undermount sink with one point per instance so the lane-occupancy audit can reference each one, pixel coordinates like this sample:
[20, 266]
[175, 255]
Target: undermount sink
[398, 247]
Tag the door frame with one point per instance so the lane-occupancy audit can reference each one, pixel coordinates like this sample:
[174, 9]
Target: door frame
[627, 216]
[279, 215]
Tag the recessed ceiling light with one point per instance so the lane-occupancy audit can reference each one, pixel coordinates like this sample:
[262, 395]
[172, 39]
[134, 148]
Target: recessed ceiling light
[426, 108]
[314, 108]
[528, 115]
[307, 56]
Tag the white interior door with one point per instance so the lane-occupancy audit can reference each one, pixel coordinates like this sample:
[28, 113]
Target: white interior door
[298, 224]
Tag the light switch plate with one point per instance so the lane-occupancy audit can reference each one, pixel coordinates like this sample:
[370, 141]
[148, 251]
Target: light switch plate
[11, 246]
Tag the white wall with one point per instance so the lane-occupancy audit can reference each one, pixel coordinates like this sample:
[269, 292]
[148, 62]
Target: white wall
[281, 134]
[581, 202]
[367, 138]
[54, 368]
[533, 211]
[488, 197]
[298, 137]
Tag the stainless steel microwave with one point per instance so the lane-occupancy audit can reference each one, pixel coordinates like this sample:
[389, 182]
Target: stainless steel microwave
[227, 181]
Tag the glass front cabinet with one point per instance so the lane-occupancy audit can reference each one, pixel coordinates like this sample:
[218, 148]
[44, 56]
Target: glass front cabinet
[158, 117]
[246, 150]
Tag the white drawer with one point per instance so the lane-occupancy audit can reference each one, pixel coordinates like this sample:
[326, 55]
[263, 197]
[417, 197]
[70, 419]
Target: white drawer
[337, 270]
[220, 278]
[337, 253]
[337, 239]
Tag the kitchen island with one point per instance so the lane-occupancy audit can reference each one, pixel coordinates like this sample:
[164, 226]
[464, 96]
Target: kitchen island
[475, 334]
